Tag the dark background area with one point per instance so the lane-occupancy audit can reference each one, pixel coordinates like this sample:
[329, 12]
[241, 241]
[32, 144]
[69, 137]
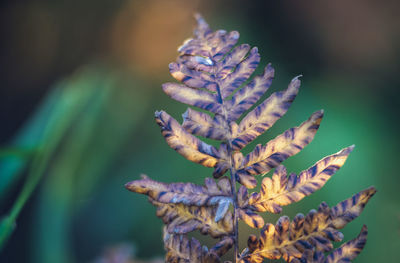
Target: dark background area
[100, 64]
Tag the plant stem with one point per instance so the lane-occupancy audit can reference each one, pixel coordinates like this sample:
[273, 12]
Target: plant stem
[235, 203]
[233, 179]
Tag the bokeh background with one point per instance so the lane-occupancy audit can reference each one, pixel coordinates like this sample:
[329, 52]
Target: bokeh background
[80, 81]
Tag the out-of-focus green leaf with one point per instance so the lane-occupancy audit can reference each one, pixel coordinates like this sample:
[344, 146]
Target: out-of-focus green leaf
[28, 137]
[68, 107]
[22, 153]
[60, 105]
[93, 143]
[7, 226]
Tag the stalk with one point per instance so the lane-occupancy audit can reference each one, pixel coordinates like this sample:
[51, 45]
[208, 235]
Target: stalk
[235, 204]
[232, 171]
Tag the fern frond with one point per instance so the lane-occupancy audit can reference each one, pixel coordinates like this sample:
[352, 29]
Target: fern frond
[185, 207]
[246, 179]
[194, 97]
[349, 209]
[184, 250]
[290, 239]
[251, 218]
[345, 253]
[223, 164]
[184, 143]
[182, 219]
[243, 70]
[212, 45]
[350, 250]
[246, 97]
[265, 115]
[229, 63]
[281, 190]
[212, 194]
[201, 124]
[245, 213]
[263, 158]
[212, 72]
[310, 256]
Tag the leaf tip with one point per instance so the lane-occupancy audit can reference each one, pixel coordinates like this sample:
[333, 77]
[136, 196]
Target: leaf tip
[128, 185]
[269, 71]
[297, 78]
[185, 114]
[136, 186]
[144, 176]
[235, 34]
[364, 230]
[371, 190]
[347, 150]
[294, 85]
[254, 50]
[198, 16]
[318, 114]
[158, 113]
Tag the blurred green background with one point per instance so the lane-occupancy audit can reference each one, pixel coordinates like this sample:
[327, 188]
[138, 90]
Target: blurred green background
[80, 81]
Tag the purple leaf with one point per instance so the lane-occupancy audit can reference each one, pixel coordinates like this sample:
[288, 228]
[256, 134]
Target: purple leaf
[265, 115]
[281, 190]
[199, 123]
[263, 158]
[184, 143]
[242, 72]
[194, 97]
[246, 97]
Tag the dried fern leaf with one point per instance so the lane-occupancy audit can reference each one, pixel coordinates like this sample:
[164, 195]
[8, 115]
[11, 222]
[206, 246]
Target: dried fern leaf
[290, 239]
[310, 256]
[251, 218]
[229, 63]
[182, 219]
[263, 158]
[281, 190]
[221, 168]
[212, 45]
[194, 97]
[223, 164]
[349, 209]
[265, 115]
[345, 253]
[184, 250]
[242, 72]
[246, 179]
[184, 143]
[201, 124]
[227, 160]
[349, 250]
[212, 194]
[247, 215]
[243, 197]
[198, 63]
[192, 78]
[246, 97]
[214, 76]
[211, 70]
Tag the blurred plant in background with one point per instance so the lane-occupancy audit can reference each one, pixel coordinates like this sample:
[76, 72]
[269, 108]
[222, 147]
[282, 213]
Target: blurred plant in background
[122, 253]
[77, 131]
[79, 80]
